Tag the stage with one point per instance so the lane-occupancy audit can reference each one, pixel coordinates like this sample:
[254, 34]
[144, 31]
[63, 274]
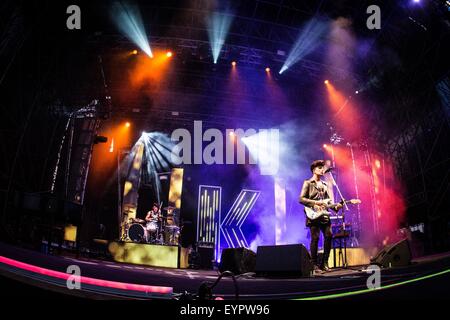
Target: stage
[239, 150]
[103, 279]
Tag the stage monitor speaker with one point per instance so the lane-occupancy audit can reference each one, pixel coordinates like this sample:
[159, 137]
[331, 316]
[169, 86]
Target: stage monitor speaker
[285, 260]
[394, 255]
[237, 260]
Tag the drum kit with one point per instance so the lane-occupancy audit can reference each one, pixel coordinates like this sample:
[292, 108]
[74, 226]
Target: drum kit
[157, 230]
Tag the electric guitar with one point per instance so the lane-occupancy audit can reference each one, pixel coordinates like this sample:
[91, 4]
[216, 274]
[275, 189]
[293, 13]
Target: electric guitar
[313, 214]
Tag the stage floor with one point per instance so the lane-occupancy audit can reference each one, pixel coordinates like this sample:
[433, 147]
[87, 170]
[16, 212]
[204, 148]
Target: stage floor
[108, 279]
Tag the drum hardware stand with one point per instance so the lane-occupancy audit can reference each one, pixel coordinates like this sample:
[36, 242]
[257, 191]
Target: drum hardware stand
[342, 253]
[161, 231]
[124, 231]
[158, 236]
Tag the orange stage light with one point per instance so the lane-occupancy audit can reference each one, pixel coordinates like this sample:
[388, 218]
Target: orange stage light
[127, 125]
[169, 54]
[378, 164]
[111, 147]
[267, 69]
[233, 63]
[326, 82]
[134, 52]
[150, 71]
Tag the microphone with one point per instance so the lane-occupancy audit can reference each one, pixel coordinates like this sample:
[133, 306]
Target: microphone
[329, 169]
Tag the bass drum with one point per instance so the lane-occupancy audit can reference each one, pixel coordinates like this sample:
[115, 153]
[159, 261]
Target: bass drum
[137, 233]
[152, 226]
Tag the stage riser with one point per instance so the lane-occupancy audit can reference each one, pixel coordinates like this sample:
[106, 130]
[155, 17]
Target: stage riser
[149, 255]
[355, 257]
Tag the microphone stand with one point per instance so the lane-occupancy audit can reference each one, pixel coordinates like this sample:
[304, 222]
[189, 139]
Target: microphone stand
[344, 208]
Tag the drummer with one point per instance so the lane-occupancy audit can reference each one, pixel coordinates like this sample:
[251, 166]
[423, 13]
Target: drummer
[154, 214]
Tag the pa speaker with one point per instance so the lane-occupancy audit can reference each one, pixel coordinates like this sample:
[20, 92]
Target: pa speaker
[237, 260]
[395, 255]
[285, 260]
[206, 257]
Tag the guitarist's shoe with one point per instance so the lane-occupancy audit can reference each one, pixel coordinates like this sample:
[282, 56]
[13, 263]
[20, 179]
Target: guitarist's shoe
[317, 270]
[325, 267]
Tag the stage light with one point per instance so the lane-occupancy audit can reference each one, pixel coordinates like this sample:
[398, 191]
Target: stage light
[267, 69]
[356, 92]
[135, 52]
[325, 146]
[218, 26]
[128, 19]
[127, 125]
[111, 147]
[306, 42]
[159, 151]
[283, 69]
[176, 187]
[169, 54]
[326, 82]
[280, 209]
[233, 63]
[262, 144]
[378, 164]
[209, 216]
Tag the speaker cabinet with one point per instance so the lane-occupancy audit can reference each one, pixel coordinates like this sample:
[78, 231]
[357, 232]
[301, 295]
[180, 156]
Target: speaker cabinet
[395, 255]
[237, 260]
[206, 257]
[285, 260]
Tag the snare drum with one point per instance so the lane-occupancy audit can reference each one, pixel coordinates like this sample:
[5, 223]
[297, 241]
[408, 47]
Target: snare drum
[137, 233]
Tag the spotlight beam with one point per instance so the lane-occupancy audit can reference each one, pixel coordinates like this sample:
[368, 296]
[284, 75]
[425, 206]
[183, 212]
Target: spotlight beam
[160, 144]
[158, 147]
[155, 165]
[128, 19]
[151, 157]
[158, 164]
[157, 151]
[162, 161]
[306, 42]
[218, 27]
[157, 155]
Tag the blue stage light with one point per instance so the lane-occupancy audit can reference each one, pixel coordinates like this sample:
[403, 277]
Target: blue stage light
[128, 19]
[306, 42]
[218, 27]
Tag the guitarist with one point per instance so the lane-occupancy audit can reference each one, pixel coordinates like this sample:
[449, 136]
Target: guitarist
[315, 193]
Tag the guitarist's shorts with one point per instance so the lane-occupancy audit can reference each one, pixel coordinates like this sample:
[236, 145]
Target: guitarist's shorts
[323, 220]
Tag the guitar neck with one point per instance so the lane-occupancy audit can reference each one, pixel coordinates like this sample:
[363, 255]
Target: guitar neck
[335, 204]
